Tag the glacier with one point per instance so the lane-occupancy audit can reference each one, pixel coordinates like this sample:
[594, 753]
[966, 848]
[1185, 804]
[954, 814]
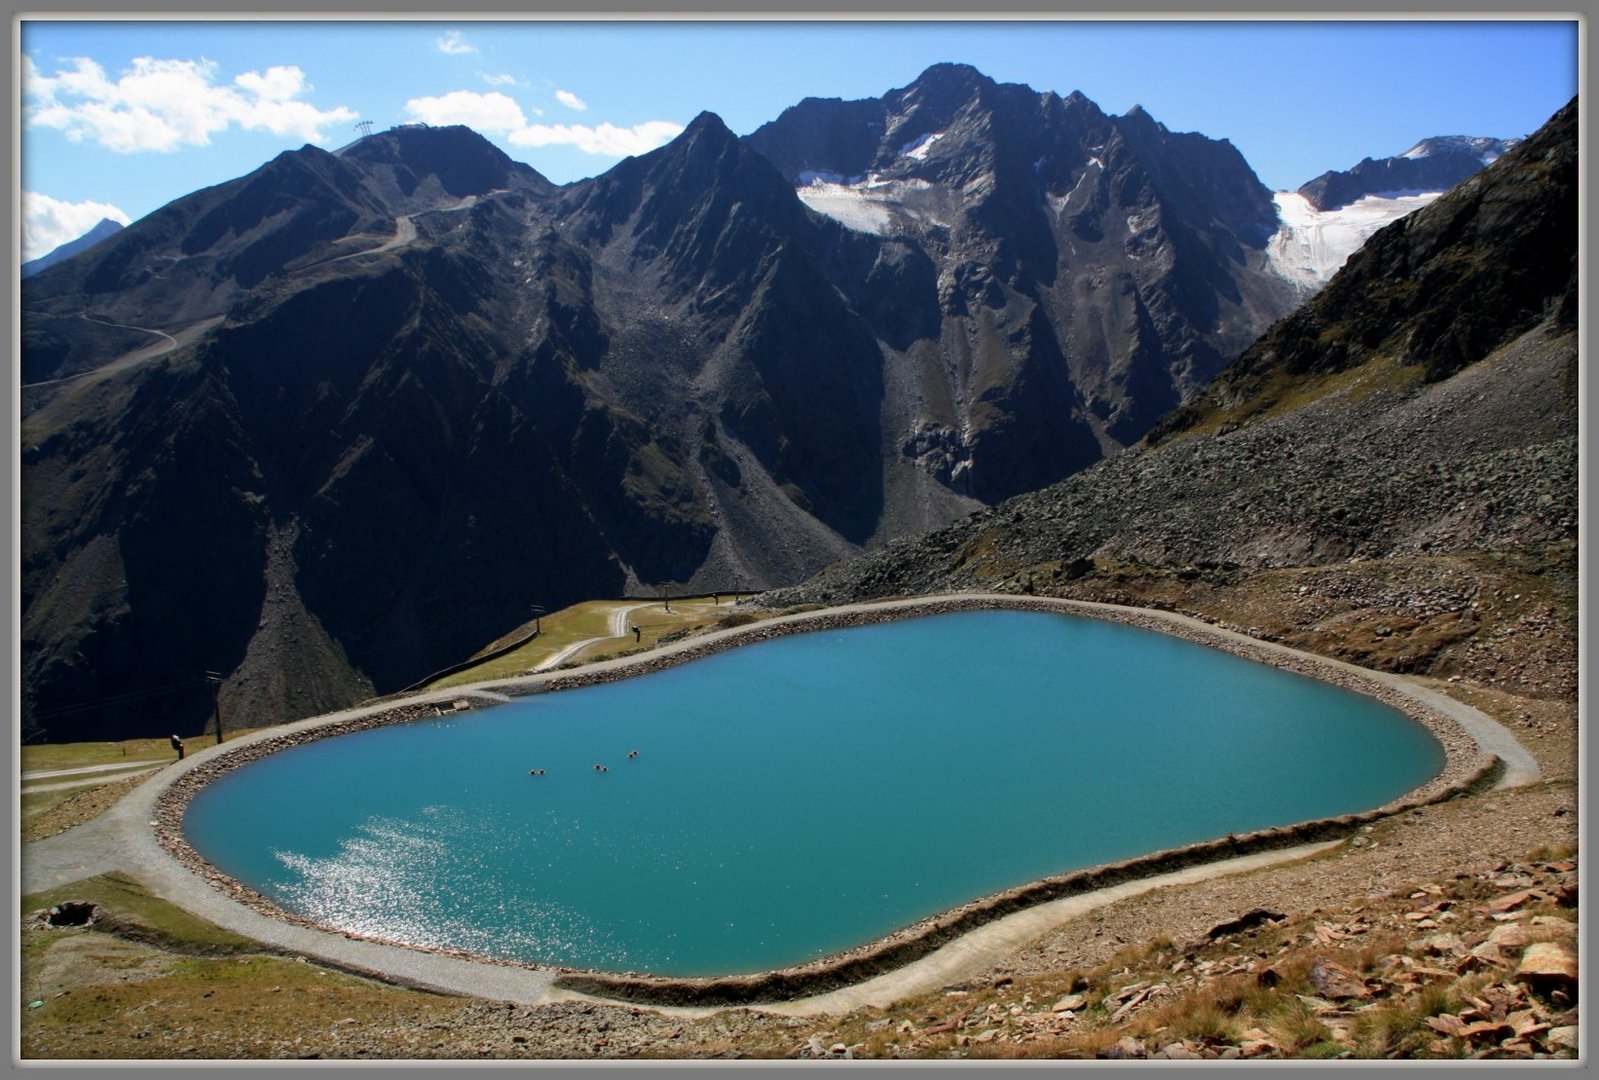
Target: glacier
[1311, 245]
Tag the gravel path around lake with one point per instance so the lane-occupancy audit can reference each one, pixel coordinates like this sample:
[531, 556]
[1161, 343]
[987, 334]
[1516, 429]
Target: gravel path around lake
[142, 834]
[978, 952]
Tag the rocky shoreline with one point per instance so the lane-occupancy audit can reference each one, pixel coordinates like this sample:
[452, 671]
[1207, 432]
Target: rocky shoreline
[1464, 770]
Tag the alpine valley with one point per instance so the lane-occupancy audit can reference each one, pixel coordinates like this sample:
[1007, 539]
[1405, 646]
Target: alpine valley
[332, 425]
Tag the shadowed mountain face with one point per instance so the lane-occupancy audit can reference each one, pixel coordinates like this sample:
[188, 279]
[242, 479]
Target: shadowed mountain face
[1080, 273]
[1423, 405]
[332, 425]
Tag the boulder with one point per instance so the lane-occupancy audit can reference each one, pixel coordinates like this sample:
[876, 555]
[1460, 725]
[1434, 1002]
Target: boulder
[1512, 935]
[1548, 966]
[1126, 1047]
[1247, 921]
[1439, 944]
[1336, 982]
[1564, 1038]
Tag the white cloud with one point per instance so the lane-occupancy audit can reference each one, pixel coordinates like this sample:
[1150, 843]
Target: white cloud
[161, 105]
[48, 223]
[491, 112]
[571, 100]
[453, 44]
[607, 139]
[499, 80]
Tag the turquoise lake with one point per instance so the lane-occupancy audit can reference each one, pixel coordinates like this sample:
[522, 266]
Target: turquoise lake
[798, 796]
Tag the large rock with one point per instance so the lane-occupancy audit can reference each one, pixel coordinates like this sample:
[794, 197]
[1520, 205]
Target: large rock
[1548, 966]
[1333, 980]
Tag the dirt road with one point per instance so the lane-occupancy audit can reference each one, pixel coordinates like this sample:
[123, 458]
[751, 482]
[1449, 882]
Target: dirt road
[617, 627]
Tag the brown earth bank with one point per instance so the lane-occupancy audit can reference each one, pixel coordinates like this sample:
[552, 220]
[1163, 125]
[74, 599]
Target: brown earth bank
[1407, 918]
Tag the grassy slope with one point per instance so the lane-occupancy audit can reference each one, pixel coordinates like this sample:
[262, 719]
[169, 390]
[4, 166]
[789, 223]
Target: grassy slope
[591, 620]
[44, 813]
[48, 756]
[148, 980]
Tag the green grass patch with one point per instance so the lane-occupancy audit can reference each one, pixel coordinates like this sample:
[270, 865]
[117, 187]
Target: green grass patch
[591, 619]
[149, 980]
[45, 757]
[556, 631]
[1283, 393]
[48, 756]
[248, 1007]
[140, 913]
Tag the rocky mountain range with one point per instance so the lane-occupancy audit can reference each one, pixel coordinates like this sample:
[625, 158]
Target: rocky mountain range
[330, 426]
[1328, 219]
[1389, 474]
[1432, 165]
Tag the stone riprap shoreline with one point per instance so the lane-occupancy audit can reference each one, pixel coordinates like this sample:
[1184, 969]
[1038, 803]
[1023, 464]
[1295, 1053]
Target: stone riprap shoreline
[1466, 768]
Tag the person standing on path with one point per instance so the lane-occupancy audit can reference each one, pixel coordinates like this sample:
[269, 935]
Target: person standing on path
[177, 744]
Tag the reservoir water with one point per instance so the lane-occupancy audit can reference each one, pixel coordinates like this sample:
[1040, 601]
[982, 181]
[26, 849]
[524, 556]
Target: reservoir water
[798, 796]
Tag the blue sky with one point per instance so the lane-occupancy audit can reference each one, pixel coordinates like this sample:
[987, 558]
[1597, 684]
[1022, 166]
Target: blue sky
[127, 116]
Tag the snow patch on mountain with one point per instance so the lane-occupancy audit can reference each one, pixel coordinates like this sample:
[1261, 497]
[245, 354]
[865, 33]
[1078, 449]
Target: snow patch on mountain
[918, 150]
[872, 204]
[1310, 245]
[850, 206]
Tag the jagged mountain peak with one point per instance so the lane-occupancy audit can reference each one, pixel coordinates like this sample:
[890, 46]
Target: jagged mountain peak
[696, 367]
[706, 132]
[692, 183]
[943, 86]
[1486, 149]
[1457, 436]
[1432, 165]
[703, 152]
[829, 137]
[464, 162]
[706, 123]
[951, 72]
[418, 141]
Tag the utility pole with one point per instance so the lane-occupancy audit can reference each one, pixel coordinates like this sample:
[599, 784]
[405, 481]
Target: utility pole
[215, 680]
[364, 127]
